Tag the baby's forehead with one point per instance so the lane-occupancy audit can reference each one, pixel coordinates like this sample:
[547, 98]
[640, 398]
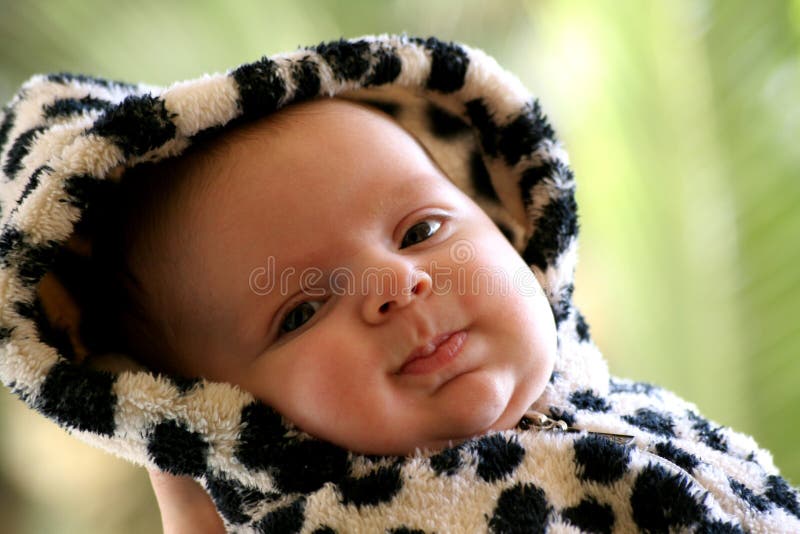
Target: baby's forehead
[300, 161]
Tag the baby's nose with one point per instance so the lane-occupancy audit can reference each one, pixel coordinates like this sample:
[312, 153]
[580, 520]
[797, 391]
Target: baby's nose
[384, 298]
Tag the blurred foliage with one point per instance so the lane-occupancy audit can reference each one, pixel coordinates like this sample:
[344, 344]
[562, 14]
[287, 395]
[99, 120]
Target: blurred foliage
[680, 117]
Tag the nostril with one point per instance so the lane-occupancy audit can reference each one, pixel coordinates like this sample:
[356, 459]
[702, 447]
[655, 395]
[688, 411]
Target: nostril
[417, 289]
[384, 307]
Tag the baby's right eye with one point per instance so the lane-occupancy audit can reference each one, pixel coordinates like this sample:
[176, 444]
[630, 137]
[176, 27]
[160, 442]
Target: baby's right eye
[299, 315]
[420, 232]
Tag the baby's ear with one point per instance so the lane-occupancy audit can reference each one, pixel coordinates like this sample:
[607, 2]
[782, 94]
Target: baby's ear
[63, 314]
[60, 305]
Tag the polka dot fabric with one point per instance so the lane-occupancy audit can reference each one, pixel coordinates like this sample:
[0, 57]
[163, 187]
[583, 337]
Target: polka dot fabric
[66, 141]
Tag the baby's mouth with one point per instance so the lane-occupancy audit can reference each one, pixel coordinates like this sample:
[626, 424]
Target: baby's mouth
[434, 354]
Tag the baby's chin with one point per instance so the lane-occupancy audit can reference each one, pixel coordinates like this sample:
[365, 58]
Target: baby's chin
[472, 424]
[485, 401]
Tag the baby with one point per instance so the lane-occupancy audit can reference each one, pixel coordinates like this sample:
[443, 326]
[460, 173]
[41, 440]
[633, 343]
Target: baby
[387, 326]
[371, 340]
[388, 344]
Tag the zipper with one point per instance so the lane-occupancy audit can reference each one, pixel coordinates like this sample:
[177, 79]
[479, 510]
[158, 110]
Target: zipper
[541, 421]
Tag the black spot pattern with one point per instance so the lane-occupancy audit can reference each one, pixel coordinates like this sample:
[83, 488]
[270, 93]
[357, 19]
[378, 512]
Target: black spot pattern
[324, 530]
[406, 530]
[29, 310]
[33, 182]
[232, 498]
[585, 399]
[79, 398]
[449, 65]
[498, 457]
[562, 304]
[19, 149]
[70, 106]
[600, 459]
[521, 509]
[758, 502]
[5, 333]
[306, 80]
[591, 516]
[555, 228]
[779, 492]
[482, 121]
[177, 450]
[385, 70]
[286, 520]
[533, 176]
[447, 462]
[676, 455]
[522, 135]
[31, 260]
[444, 124]
[5, 127]
[348, 60]
[581, 327]
[377, 487]
[652, 421]
[260, 87]
[708, 435]
[299, 466]
[481, 180]
[260, 425]
[137, 125]
[662, 502]
[305, 466]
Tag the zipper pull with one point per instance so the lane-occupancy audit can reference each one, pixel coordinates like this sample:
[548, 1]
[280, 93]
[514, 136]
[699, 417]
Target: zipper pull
[542, 422]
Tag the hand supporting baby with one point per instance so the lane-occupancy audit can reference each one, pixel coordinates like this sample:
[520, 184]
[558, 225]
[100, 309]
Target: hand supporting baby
[185, 507]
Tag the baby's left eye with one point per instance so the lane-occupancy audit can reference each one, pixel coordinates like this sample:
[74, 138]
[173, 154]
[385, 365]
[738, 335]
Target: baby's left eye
[420, 232]
[299, 315]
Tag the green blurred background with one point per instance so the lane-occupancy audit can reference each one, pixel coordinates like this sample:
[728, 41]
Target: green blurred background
[681, 118]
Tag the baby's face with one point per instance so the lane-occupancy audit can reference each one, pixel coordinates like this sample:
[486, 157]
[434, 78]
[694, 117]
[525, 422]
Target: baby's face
[330, 269]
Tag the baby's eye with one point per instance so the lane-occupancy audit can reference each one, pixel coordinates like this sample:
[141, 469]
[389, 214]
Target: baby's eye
[299, 315]
[420, 232]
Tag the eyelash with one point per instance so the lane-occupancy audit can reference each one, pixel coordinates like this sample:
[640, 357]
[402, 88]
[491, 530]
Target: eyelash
[433, 228]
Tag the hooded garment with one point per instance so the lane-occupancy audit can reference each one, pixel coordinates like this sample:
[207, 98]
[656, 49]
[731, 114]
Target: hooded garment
[65, 142]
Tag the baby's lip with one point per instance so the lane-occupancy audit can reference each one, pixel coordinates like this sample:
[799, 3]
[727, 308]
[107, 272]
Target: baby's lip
[440, 347]
[428, 348]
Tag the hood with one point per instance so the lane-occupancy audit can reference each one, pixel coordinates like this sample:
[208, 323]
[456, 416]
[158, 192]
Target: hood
[65, 143]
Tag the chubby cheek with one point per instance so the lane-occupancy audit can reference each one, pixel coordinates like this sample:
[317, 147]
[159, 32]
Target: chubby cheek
[321, 383]
[518, 315]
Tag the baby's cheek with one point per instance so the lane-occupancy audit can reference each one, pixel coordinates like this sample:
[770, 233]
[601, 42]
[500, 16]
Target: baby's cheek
[329, 373]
